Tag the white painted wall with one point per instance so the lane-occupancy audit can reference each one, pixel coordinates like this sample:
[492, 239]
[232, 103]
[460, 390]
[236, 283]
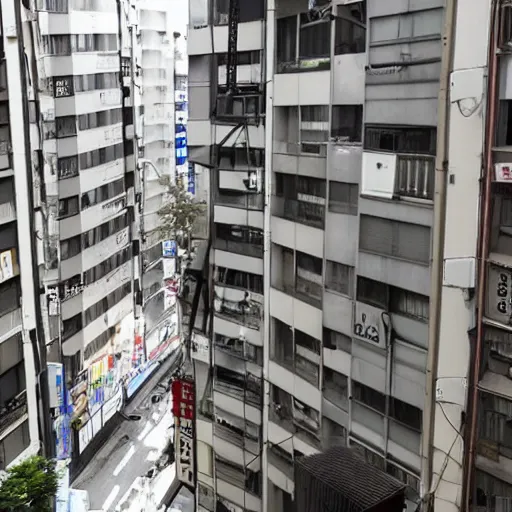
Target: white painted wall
[457, 316]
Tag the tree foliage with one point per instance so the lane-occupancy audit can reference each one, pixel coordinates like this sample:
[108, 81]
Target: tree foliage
[179, 212]
[30, 486]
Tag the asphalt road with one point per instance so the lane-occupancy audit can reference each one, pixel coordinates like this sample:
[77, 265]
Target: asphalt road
[130, 452]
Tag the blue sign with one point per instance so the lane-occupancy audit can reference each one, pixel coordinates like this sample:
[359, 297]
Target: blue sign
[191, 178]
[181, 144]
[169, 249]
[139, 379]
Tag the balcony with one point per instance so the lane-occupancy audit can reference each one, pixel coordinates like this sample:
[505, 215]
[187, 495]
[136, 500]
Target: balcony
[308, 213]
[404, 176]
[243, 387]
[240, 348]
[240, 306]
[12, 411]
[239, 240]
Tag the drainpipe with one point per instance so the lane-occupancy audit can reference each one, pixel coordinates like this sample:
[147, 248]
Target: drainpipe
[269, 121]
[484, 245]
[437, 252]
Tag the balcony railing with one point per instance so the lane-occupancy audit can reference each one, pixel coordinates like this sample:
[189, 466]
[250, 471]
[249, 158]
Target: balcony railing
[243, 248]
[13, 410]
[310, 214]
[238, 305]
[415, 176]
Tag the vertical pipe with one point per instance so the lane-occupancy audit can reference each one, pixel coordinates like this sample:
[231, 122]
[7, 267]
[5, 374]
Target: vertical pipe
[483, 245]
[269, 122]
[437, 251]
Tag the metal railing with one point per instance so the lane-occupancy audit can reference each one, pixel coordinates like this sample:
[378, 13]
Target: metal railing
[415, 176]
[13, 410]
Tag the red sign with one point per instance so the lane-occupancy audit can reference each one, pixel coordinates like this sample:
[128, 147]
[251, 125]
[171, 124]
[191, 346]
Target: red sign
[183, 399]
[503, 172]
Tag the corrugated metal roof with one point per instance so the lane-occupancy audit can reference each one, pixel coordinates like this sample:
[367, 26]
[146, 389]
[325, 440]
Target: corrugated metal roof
[344, 471]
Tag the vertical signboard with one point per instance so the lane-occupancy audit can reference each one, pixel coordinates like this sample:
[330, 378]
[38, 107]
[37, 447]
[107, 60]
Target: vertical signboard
[59, 405]
[191, 185]
[181, 144]
[183, 412]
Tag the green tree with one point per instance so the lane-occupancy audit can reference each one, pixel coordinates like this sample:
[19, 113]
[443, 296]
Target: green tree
[178, 213]
[30, 486]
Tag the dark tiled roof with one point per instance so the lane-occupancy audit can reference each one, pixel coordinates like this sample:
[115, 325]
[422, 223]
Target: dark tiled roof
[344, 471]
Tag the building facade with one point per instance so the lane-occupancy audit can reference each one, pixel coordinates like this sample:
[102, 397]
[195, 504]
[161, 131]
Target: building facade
[87, 138]
[345, 175]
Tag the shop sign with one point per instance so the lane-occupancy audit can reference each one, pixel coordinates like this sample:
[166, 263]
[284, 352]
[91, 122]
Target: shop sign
[183, 411]
[169, 249]
[503, 172]
[6, 266]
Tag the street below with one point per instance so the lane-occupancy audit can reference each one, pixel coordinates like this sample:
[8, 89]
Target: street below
[136, 448]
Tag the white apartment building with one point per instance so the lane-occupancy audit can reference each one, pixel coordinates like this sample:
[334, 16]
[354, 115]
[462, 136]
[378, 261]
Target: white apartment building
[22, 354]
[343, 267]
[87, 131]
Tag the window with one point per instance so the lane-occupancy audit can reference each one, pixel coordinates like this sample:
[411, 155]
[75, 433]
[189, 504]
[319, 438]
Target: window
[57, 44]
[338, 277]
[70, 248]
[343, 197]
[106, 266]
[98, 343]
[396, 139]
[71, 326]
[314, 128]
[103, 193]
[65, 126]
[10, 295]
[52, 5]
[68, 206]
[99, 119]
[372, 292]
[334, 340]
[286, 43]
[108, 302]
[250, 10]
[93, 42]
[253, 482]
[14, 444]
[350, 29]
[368, 396]
[68, 167]
[314, 38]
[305, 416]
[409, 303]
[98, 81]
[406, 413]
[395, 239]
[307, 369]
[336, 388]
[308, 280]
[100, 233]
[239, 279]
[347, 122]
[101, 156]
[282, 345]
[306, 341]
[11, 352]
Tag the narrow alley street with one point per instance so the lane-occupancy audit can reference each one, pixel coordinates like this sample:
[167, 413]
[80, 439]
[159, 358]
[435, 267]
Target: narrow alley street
[134, 449]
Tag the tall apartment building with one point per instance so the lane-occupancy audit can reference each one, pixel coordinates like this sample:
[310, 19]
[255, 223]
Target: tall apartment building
[345, 168]
[21, 339]
[87, 133]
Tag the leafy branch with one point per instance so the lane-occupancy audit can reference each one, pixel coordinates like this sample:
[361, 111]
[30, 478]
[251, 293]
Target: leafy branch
[178, 213]
[30, 486]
